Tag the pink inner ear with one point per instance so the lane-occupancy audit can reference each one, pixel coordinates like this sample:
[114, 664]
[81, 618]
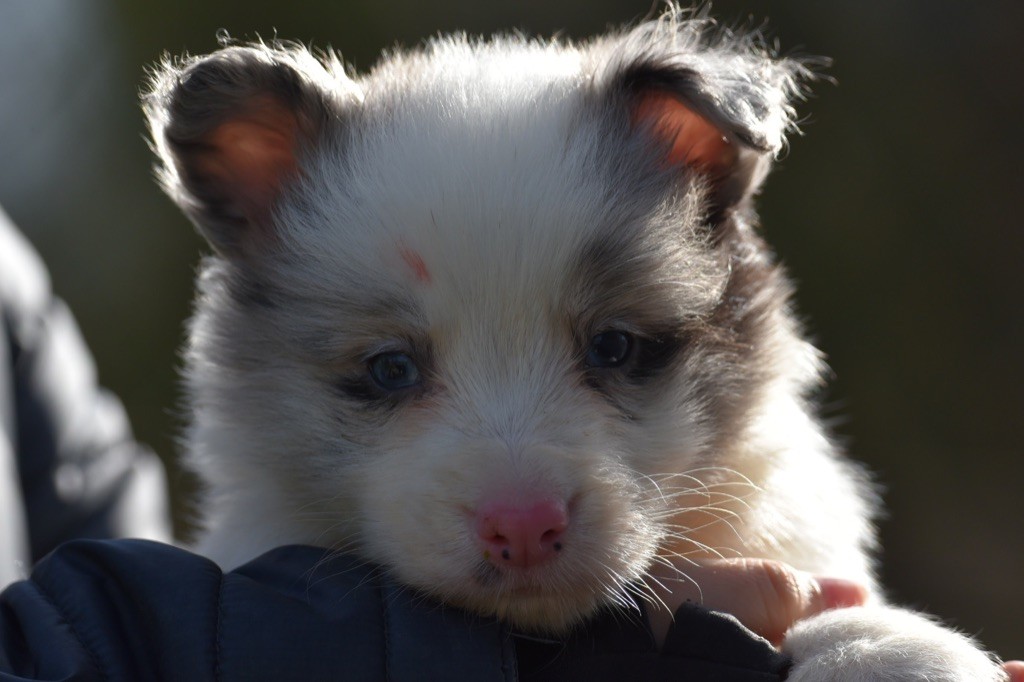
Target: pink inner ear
[251, 155]
[692, 139]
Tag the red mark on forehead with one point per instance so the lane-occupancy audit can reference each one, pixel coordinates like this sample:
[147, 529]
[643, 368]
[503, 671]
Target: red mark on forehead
[415, 263]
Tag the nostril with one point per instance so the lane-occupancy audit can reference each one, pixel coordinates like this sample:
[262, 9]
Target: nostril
[552, 537]
[522, 535]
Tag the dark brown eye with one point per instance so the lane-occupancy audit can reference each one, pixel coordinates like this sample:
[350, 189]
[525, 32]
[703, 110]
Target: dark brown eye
[609, 349]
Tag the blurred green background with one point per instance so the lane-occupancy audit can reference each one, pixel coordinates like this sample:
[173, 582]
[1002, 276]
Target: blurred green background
[898, 213]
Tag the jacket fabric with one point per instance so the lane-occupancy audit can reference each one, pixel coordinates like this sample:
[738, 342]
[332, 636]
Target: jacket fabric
[69, 464]
[134, 610]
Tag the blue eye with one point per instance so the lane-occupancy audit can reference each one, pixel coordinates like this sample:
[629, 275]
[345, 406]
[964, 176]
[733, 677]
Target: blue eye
[394, 371]
[609, 349]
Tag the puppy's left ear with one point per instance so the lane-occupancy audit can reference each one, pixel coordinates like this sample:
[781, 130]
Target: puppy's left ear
[718, 108]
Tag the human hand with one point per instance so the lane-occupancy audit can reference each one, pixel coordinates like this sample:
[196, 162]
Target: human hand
[766, 596]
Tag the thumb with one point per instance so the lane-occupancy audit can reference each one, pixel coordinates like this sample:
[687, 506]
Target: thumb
[766, 596]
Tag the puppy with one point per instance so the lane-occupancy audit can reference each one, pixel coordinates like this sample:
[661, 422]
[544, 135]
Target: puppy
[497, 316]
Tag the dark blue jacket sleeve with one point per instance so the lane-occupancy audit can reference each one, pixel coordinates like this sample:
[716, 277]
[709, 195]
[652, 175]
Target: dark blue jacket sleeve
[701, 645]
[69, 465]
[134, 610]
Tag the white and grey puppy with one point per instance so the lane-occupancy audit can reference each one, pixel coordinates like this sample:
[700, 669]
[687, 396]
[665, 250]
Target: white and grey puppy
[497, 317]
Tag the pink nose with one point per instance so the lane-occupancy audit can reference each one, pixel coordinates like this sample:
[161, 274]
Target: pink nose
[521, 535]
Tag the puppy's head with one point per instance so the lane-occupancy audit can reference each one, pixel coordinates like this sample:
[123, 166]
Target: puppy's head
[493, 315]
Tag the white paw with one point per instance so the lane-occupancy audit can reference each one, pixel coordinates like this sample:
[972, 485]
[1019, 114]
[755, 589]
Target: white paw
[880, 644]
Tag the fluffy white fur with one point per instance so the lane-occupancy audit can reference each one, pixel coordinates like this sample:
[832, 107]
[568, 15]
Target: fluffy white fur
[541, 214]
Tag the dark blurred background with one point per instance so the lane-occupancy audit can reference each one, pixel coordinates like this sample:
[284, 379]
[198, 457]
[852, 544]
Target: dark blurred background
[898, 213]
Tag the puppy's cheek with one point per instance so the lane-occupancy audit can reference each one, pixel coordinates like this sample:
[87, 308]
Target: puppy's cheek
[412, 503]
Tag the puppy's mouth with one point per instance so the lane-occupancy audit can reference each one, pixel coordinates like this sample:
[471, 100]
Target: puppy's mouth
[530, 582]
[545, 599]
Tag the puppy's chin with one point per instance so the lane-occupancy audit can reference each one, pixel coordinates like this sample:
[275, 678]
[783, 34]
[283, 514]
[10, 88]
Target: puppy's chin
[547, 600]
[538, 611]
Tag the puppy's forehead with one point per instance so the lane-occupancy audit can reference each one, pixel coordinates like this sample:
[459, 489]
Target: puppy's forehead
[472, 184]
[484, 174]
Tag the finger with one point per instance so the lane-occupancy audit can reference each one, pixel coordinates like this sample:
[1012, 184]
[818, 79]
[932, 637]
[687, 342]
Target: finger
[777, 595]
[835, 593]
[766, 596]
[1015, 669]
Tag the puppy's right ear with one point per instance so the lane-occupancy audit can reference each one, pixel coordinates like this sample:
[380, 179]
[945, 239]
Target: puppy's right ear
[712, 104]
[232, 131]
